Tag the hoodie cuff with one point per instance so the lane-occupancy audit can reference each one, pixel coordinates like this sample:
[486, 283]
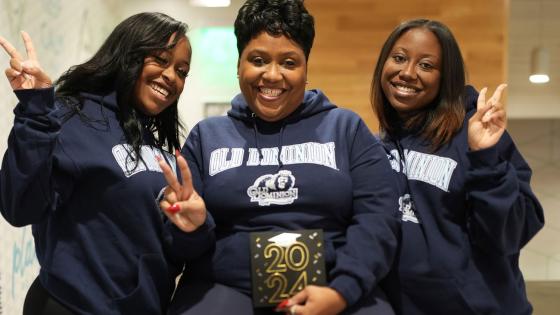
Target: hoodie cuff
[34, 101]
[484, 158]
[348, 287]
[192, 245]
[200, 234]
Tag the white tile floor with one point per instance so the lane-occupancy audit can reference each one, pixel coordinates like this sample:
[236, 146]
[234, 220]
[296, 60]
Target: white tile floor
[539, 142]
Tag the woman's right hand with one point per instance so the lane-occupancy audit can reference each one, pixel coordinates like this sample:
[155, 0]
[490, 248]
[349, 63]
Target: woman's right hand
[313, 300]
[489, 122]
[181, 203]
[23, 73]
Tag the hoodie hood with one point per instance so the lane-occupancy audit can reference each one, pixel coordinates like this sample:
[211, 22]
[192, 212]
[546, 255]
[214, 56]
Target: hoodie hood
[314, 101]
[108, 100]
[471, 97]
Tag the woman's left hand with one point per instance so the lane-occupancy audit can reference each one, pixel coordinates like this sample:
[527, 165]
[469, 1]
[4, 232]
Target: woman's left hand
[314, 300]
[489, 122]
[181, 203]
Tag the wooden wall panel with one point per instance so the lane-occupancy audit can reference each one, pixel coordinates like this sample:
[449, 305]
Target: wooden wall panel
[349, 35]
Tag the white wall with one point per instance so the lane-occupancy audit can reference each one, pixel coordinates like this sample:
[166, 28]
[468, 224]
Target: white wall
[64, 33]
[533, 23]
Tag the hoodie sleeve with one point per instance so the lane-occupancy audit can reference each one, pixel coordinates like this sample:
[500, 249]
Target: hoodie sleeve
[189, 246]
[29, 190]
[371, 238]
[504, 212]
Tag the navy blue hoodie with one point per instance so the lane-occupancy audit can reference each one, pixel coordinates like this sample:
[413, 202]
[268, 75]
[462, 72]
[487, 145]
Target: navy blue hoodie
[337, 179]
[465, 217]
[99, 234]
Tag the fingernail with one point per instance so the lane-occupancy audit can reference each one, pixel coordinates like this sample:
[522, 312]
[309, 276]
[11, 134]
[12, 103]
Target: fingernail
[158, 158]
[174, 208]
[282, 305]
[177, 152]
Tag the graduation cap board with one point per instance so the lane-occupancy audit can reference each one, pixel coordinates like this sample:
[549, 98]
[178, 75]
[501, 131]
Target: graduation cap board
[285, 262]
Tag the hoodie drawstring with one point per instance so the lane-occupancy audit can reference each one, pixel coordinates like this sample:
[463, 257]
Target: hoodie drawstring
[254, 117]
[280, 140]
[280, 143]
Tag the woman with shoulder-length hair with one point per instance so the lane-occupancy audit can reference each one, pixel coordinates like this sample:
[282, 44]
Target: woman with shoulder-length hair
[466, 203]
[81, 168]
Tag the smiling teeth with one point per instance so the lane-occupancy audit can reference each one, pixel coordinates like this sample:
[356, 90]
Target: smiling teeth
[405, 89]
[160, 90]
[271, 92]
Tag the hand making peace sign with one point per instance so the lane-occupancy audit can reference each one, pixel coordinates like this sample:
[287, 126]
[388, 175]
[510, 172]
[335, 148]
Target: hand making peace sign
[181, 203]
[489, 122]
[25, 73]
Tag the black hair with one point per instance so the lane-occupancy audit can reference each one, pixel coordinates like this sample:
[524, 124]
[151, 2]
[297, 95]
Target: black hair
[117, 65]
[442, 119]
[276, 17]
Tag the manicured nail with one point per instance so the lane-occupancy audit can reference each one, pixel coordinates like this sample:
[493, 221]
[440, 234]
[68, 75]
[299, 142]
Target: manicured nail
[174, 208]
[158, 158]
[177, 152]
[282, 305]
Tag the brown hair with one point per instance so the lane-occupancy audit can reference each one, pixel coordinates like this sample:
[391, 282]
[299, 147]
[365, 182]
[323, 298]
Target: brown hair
[441, 120]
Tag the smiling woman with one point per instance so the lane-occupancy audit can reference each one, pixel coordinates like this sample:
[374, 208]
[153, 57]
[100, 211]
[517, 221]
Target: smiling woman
[163, 77]
[283, 161]
[411, 77]
[81, 167]
[272, 74]
[466, 203]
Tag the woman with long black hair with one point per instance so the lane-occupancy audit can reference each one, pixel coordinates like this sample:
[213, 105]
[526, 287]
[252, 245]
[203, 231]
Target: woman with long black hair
[81, 167]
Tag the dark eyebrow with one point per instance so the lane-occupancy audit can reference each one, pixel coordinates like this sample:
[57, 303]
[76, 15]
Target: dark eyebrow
[289, 53]
[422, 56]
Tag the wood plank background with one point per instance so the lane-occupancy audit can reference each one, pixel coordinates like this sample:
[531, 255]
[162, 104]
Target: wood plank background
[350, 33]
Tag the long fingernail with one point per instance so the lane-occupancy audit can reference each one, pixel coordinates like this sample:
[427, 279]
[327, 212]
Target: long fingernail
[174, 208]
[282, 305]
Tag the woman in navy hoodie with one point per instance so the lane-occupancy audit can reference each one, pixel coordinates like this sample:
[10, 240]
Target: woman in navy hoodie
[466, 204]
[81, 168]
[283, 159]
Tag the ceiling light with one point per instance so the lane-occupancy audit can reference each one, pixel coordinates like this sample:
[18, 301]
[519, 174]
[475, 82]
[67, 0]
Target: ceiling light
[210, 3]
[540, 60]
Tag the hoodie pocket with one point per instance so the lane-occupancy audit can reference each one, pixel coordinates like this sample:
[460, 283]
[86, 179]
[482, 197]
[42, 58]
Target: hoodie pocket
[428, 295]
[153, 285]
